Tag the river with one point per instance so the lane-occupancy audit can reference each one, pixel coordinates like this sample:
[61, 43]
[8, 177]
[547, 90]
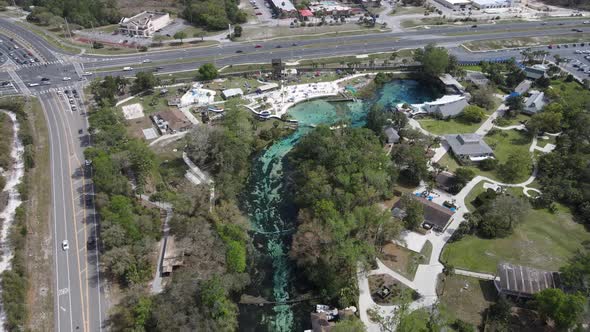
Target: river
[13, 179]
[272, 213]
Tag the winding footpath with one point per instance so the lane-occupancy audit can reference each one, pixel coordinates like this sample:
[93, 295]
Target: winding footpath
[426, 277]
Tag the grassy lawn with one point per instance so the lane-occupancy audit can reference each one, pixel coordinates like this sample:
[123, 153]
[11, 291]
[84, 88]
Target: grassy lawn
[506, 142]
[543, 240]
[466, 298]
[424, 21]
[572, 94]
[154, 102]
[449, 162]
[403, 260]
[450, 126]
[496, 44]
[478, 189]
[505, 122]
[472, 67]
[406, 10]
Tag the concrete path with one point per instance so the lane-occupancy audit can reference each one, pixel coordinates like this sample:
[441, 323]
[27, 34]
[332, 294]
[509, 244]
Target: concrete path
[478, 275]
[426, 277]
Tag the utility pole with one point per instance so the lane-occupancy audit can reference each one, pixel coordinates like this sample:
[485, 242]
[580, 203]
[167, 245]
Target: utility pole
[68, 28]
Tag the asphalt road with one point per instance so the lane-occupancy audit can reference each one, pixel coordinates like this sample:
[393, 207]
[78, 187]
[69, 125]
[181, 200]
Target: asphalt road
[79, 302]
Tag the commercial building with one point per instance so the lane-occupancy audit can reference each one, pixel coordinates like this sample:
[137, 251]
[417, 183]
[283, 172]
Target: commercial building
[229, 93]
[455, 4]
[469, 148]
[144, 24]
[444, 107]
[451, 84]
[283, 8]
[524, 282]
[329, 8]
[171, 121]
[267, 87]
[535, 72]
[488, 4]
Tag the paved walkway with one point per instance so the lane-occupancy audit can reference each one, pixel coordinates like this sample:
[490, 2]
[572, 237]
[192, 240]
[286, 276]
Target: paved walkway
[426, 277]
[478, 275]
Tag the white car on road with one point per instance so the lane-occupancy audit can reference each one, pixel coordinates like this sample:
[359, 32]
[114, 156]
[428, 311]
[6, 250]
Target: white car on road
[67, 78]
[65, 245]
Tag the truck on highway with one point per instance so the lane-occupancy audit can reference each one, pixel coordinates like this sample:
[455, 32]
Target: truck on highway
[127, 68]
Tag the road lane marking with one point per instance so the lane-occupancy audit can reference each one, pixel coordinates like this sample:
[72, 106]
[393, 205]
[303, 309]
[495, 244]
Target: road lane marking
[84, 321]
[63, 291]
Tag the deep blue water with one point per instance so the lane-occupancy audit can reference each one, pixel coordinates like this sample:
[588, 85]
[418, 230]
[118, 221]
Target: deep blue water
[273, 215]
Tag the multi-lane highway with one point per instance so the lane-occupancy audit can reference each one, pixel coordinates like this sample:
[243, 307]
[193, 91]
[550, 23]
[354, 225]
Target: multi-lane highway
[79, 293]
[79, 298]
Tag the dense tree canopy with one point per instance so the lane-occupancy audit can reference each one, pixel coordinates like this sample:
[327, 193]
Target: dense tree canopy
[208, 72]
[86, 13]
[339, 176]
[435, 60]
[564, 309]
[214, 14]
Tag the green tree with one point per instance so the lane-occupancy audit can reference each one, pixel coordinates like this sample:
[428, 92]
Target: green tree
[376, 119]
[238, 31]
[500, 216]
[414, 212]
[435, 60]
[180, 35]
[564, 309]
[473, 114]
[545, 122]
[517, 166]
[515, 104]
[352, 324]
[208, 72]
[144, 81]
[484, 97]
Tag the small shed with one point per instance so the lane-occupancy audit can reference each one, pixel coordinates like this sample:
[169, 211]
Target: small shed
[392, 136]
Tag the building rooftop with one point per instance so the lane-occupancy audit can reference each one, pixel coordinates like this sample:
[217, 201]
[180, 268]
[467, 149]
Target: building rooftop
[524, 281]
[232, 92]
[468, 144]
[305, 12]
[391, 134]
[536, 100]
[285, 5]
[459, 2]
[491, 2]
[434, 214]
[176, 119]
[142, 18]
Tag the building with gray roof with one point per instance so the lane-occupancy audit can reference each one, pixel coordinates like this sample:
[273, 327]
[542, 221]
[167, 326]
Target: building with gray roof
[522, 281]
[469, 148]
[535, 103]
[391, 135]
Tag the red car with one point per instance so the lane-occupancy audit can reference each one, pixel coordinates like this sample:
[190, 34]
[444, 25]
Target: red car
[258, 46]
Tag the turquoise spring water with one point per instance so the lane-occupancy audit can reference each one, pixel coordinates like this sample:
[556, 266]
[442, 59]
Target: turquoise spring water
[273, 216]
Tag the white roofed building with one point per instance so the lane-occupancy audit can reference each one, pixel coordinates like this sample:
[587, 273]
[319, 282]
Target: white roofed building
[229, 93]
[144, 24]
[487, 4]
[284, 8]
[445, 107]
[455, 4]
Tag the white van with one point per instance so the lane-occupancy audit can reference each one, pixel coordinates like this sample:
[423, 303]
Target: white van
[127, 68]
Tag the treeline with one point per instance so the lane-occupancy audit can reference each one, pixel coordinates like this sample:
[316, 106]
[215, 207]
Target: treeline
[128, 229]
[564, 173]
[339, 177]
[213, 14]
[86, 13]
[15, 281]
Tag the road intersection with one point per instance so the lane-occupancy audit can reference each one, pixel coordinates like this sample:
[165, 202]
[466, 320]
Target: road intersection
[80, 298]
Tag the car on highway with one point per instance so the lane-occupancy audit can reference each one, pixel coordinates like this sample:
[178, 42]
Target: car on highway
[127, 69]
[258, 46]
[239, 51]
[33, 84]
[65, 245]
[474, 26]
[74, 108]
[278, 46]
[86, 73]
[67, 78]
[147, 61]
[586, 22]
